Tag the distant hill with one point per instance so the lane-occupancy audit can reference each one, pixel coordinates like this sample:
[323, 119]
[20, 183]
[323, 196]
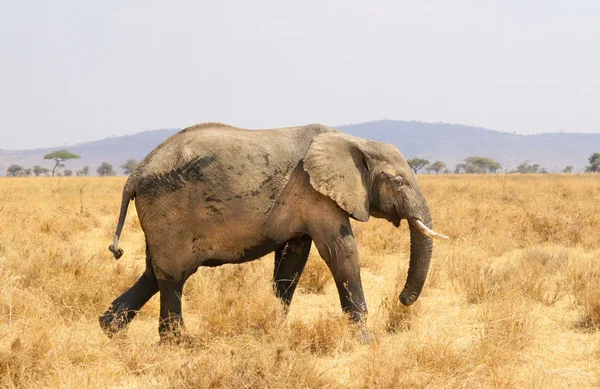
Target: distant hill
[450, 143]
[115, 150]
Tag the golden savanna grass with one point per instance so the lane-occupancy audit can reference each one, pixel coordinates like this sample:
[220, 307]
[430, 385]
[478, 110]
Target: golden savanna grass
[512, 301]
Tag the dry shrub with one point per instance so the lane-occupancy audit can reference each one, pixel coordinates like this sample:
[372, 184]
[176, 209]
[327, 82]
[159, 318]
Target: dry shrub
[542, 272]
[323, 335]
[7, 290]
[24, 359]
[245, 363]
[233, 299]
[585, 284]
[423, 360]
[397, 317]
[539, 273]
[478, 279]
[316, 275]
[507, 326]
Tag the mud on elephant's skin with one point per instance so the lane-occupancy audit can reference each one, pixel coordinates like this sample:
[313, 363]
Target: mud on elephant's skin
[214, 194]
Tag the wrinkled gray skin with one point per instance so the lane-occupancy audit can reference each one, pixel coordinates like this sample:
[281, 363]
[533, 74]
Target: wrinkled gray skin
[214, 194]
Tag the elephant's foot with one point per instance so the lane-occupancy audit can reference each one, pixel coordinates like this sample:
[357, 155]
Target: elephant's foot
[172, 330]
[361, 331]
[113, 321]
[365, 336]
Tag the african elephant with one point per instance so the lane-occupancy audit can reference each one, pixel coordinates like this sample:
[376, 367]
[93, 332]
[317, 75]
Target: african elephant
[213, 194]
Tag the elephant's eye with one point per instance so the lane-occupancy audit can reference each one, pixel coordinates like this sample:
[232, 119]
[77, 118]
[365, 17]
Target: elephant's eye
[395, 182]
[398, 181]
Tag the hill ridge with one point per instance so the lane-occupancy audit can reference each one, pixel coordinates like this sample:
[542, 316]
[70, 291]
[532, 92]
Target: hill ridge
[448, 142]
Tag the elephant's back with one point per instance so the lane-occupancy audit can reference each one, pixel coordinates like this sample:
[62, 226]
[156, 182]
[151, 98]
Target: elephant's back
[212, 140]
[221, 163]
[228, 147]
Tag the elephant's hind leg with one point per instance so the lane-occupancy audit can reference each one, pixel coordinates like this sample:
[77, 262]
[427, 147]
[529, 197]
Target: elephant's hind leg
[289, 264]
[171, 320]
[123, 309]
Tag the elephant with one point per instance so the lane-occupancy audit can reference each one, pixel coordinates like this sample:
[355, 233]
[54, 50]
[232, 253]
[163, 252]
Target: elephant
[213, 194]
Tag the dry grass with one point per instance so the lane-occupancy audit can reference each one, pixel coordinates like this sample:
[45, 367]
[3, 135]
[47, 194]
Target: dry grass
[316, 274]
[512, 301]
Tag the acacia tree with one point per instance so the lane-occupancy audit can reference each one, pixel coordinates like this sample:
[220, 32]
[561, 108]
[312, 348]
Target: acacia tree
[14, 170]
[437, 166]
[84, 171]
[60, 156]
[417, 163]
[525, 167]
[105, 169]
[459, 167]
[594, 163]
[37, 170]
[568, 169]
[481, 165]
[129, 165]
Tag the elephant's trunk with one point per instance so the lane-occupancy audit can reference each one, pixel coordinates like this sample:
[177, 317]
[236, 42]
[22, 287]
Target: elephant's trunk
[420, 256]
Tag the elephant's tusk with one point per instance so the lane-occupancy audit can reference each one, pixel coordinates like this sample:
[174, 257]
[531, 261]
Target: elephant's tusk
[423, 229]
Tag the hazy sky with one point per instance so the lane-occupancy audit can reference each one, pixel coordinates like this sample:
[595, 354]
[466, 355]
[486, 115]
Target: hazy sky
[73, 71]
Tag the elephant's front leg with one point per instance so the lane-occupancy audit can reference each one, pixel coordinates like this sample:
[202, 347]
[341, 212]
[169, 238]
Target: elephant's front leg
[337, 247]
[289, 264]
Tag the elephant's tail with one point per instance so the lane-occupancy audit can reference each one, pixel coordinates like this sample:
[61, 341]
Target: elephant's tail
[128, 195]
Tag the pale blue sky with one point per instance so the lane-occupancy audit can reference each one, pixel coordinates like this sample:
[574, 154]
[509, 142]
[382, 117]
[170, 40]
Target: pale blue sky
[74, 71]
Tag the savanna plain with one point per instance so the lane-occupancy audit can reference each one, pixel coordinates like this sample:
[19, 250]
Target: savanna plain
[511, 301]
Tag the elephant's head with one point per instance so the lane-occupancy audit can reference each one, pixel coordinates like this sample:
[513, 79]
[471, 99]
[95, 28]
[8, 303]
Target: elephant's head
[371, 178]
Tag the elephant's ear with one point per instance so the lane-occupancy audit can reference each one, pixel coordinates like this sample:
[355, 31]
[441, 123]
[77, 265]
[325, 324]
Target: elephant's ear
[338, 168]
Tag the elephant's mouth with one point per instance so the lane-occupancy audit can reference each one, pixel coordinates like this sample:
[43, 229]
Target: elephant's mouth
[423, 229]
[396, 220]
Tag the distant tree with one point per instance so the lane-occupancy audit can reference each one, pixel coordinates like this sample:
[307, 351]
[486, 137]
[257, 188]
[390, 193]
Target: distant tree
[473, 169]
[594, 163]
[68, 173]
[459, 167]
[45, 171]
[525, 168]
[60, 156]
[84, 171]
[494, 167]
[14, 170]
[447, 171]
[129, 166]
[417, 163]
[568, 169]
[105, 169]
[437, 166]
[37, 170]
[481, 165]
[27, 172]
